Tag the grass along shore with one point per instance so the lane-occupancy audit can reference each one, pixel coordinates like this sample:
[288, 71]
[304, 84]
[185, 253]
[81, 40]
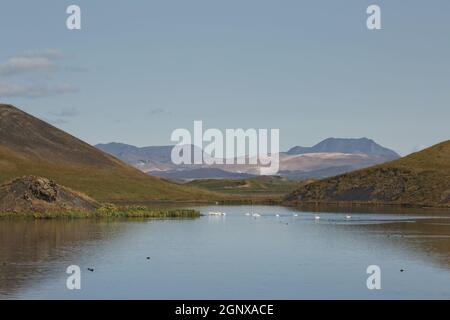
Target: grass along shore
[108, 211]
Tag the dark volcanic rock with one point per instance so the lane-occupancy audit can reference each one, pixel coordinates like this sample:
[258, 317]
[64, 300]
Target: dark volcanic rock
[42, 189]
[36, 194]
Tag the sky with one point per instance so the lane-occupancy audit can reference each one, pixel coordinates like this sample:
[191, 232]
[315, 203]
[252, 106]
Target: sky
[137, 70]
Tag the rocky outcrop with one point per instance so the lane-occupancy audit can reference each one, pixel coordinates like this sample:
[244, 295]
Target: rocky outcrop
[36, 194]
[40, 188]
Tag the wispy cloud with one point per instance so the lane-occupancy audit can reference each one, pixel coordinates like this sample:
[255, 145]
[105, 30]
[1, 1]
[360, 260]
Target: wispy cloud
[16, 90]
[31, 61]
[25, 75]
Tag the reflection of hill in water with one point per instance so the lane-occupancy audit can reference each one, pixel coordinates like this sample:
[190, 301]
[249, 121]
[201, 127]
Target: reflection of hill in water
[366, 208]
[428, 238]
[28, 249]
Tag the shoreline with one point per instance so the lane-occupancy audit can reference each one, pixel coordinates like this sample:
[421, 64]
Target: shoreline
[181, 210]
[107, 212]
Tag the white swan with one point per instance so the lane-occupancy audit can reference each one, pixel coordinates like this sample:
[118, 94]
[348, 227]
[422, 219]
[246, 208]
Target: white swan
[348, 216]
[295, 215]
[217, 213]
[256, 215]
[317, 217]
[277, 215]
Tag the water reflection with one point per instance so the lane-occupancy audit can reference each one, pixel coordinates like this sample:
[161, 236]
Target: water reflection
[31, 250]
[284, 253]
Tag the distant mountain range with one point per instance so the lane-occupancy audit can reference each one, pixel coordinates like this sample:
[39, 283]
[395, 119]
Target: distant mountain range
[330, 157]
[146, 159]
[422, 178]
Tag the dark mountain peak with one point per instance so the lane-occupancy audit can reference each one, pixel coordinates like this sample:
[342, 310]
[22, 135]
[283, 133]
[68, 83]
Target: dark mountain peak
[347, 145]
[119, 145]
[346, 140]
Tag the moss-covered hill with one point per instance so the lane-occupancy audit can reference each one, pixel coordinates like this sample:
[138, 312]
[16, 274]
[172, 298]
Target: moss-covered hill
[266, 187]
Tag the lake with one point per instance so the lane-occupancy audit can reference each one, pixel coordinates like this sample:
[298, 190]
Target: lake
[231, 257]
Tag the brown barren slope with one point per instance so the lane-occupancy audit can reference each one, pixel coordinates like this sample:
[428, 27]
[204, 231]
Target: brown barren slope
[422, 178]
[29, 146]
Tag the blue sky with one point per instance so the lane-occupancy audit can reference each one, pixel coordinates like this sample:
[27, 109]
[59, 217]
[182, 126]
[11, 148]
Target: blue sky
[140, 69]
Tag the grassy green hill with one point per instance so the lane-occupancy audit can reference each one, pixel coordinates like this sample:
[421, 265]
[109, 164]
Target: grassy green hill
[422, 178]
[29, 146]
[259, 187]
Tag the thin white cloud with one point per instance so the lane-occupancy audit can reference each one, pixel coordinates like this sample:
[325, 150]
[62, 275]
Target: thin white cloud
[32, 64]
[15, 90]
[25, 64]
[31, 61]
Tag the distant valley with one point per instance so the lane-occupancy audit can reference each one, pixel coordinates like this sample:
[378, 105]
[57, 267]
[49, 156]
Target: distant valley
[39, 162]
[328, 158]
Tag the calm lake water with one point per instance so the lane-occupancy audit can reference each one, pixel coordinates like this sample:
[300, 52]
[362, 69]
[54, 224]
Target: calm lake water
[232, 257]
